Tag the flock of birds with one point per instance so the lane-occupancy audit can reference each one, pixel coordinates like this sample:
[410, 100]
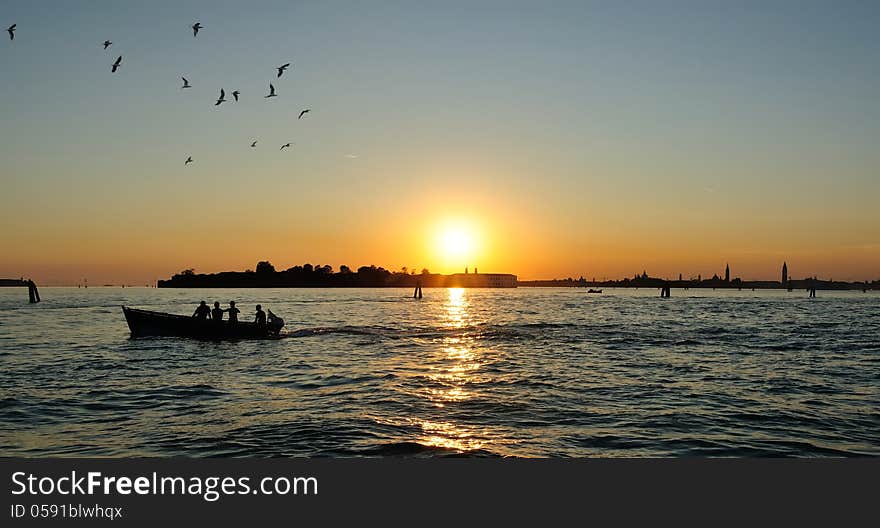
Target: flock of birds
[222, 99]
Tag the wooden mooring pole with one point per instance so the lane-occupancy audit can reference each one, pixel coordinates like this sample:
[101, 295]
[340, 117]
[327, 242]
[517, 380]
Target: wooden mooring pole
[33, 292]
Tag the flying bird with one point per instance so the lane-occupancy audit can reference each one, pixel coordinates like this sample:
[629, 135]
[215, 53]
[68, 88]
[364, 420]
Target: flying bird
[222, 97]
[254, 144]
[196, 27]
[271, 91]
[185, 83]
[116, 64]
[284, 146]
[188, 161]
[235, 94]
[107, 44]
[282, 68]
[11, 31]
[304, 112]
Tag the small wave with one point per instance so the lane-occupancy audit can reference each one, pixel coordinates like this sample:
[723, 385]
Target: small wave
[327, 381]
[416, 449]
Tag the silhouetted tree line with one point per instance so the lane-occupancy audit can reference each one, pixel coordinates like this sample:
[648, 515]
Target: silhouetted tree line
[264, 275]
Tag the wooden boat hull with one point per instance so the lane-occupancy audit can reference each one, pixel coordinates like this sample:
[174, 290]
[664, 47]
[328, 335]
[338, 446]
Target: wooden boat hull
[144, 323]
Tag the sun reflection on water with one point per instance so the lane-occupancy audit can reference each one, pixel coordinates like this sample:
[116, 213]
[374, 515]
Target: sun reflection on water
[456, 308]
[452, 371]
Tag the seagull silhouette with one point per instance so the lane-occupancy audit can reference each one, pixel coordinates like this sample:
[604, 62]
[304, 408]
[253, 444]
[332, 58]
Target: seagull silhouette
[235, 94]
[284, 146]
[304, 112]
[282, 68]
[185, 83]
[11, 31]
[116, 64]
[188, 161]
[254, 144]
[271, 91]
[107, 44]
[196, 27]
[222, 97]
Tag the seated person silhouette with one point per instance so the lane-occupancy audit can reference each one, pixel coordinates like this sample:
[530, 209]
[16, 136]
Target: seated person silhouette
[260, 316]
[233, 312]
[217, 312]
[202, 311]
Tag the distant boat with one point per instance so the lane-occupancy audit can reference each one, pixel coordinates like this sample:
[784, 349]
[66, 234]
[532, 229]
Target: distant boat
[591, 290]
[144, 323]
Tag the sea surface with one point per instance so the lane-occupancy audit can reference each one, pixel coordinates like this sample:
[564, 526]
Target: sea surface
[528, 372]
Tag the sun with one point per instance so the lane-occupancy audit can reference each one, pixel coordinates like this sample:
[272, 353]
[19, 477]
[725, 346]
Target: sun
[455, 243]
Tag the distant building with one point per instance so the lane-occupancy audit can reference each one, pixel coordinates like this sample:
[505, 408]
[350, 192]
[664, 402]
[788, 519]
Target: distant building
[784, 273]
[482, 280]
[727, 273]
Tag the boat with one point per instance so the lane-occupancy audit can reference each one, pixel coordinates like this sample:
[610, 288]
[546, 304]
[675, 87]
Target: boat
[591, 290]
[144, 323]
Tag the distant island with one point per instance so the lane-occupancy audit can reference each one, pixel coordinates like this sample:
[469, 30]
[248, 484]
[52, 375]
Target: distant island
[715, 282]
[308, 276]
[264, 275]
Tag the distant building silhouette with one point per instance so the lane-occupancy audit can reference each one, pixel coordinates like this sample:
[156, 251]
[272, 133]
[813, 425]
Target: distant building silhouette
[727, 273]
[784, 273]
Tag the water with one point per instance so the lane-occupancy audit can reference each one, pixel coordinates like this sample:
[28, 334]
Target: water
[371, 372]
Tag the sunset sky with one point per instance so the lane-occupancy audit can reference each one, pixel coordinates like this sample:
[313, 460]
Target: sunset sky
[597, 139]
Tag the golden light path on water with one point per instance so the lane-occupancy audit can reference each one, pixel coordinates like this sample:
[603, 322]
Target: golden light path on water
[457, 368]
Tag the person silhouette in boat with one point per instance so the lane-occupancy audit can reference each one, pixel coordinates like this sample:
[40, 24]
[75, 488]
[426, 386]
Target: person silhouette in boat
[202, 311]
[233, 312]
[260, 316]
[217, 312]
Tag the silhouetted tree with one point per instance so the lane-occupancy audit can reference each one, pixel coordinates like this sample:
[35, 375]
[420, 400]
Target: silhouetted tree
[344, 269]
[264, 266]
[308, 268]
[425, 271]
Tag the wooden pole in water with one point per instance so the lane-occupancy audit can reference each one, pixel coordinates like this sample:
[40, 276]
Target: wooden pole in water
[33, 293]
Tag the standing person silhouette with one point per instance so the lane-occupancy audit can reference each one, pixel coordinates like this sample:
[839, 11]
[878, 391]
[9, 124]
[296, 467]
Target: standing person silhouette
[233, 312]
[217, 312]
[202, 311]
